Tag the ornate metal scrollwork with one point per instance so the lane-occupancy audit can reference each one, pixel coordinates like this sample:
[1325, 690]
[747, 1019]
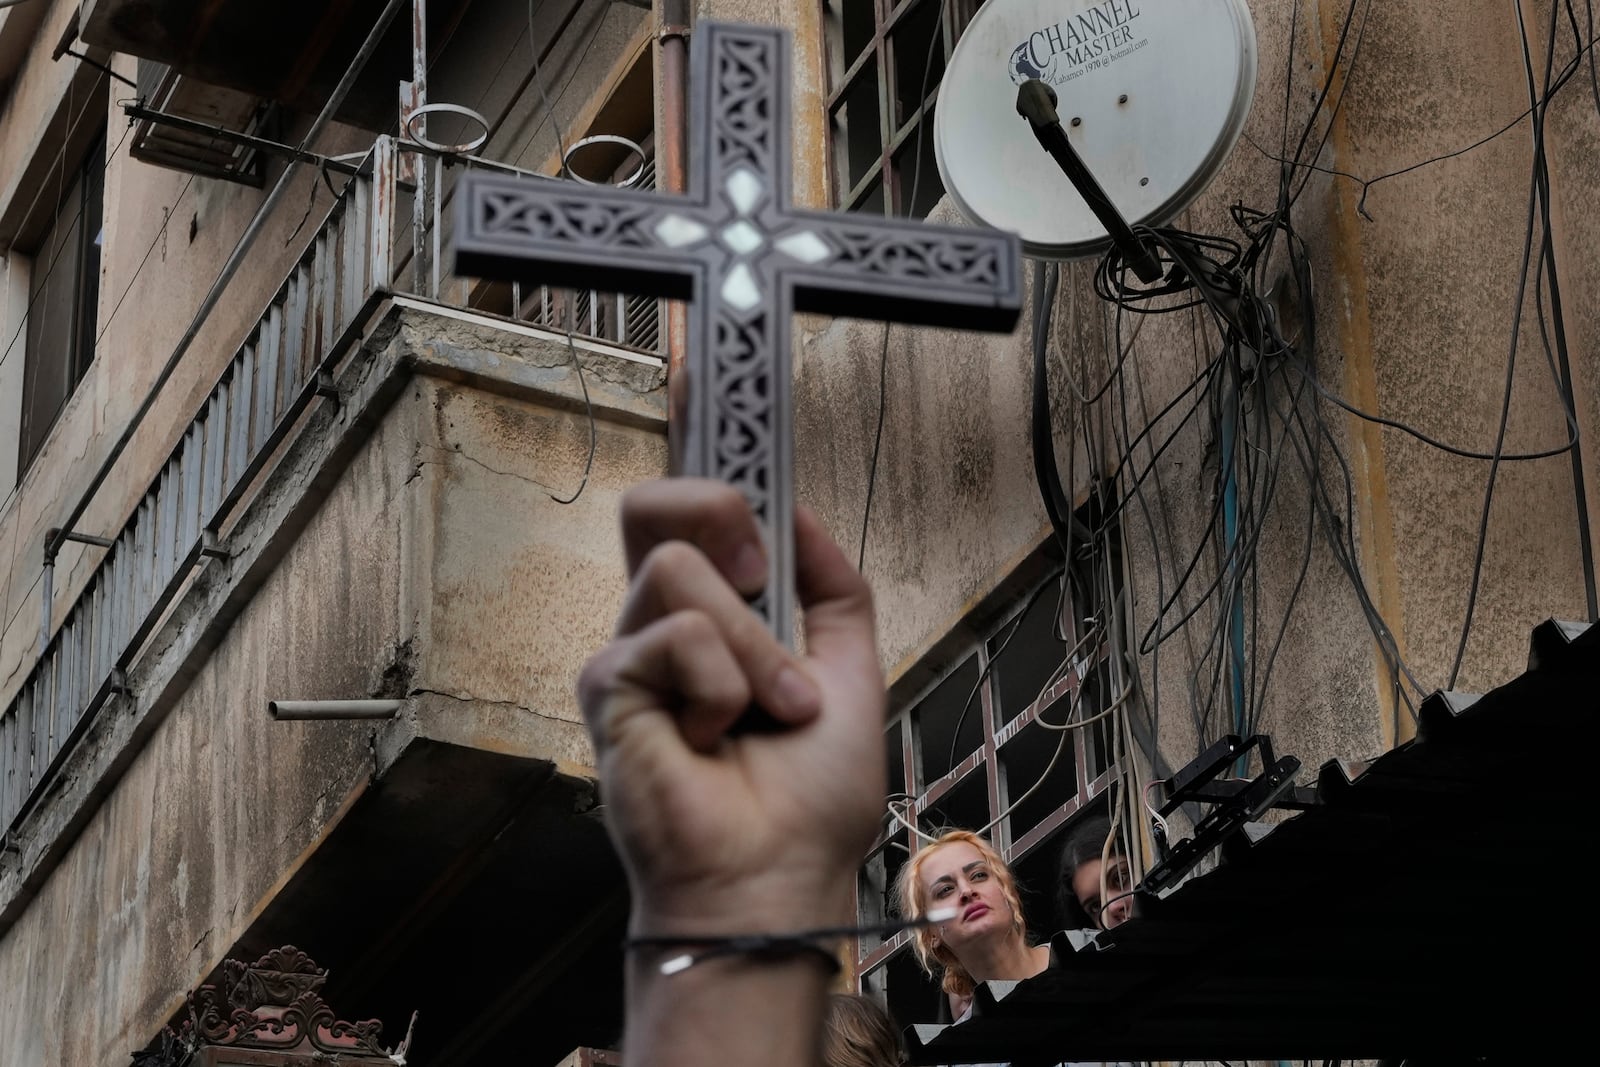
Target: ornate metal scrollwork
[274, 1005]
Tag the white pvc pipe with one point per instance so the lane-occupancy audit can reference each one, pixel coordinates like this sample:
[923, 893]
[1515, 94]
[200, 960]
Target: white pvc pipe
[333, 709]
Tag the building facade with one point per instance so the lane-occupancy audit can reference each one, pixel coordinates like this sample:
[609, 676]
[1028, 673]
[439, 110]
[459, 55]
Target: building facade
[259, 443]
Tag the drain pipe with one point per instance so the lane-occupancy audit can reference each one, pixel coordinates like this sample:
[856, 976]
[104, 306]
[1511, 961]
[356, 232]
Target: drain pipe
[324, 710]
[672, 175]
[49, 595]
[54, 541]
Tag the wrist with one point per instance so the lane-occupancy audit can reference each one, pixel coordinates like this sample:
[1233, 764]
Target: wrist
[730, 1009]
[775, 903]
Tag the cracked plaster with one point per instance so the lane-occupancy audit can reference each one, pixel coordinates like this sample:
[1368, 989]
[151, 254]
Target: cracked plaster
[436, 520]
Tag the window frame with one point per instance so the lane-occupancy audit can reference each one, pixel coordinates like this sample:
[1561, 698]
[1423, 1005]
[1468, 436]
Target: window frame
[843, 74]
[88, 176]
[1093, 771]
[623, 321]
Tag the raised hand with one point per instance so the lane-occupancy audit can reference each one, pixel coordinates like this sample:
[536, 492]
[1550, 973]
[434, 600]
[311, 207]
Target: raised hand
[729, 834]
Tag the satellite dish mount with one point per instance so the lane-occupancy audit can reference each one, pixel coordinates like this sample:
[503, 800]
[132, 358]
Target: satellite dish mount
[1153, 97]
[1036, 102]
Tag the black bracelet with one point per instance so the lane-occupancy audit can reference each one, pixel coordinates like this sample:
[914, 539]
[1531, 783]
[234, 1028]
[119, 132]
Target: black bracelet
[769, 947]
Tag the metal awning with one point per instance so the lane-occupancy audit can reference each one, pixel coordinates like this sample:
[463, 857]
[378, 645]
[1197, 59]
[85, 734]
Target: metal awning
[1428, 906]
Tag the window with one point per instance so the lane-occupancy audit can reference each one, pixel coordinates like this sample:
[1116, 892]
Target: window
[974, 749]
[633, 321]
[63, 297]
[625, 109]
[885, 59]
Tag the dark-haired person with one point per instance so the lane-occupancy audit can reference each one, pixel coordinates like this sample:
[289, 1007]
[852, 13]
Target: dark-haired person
[1094, 885]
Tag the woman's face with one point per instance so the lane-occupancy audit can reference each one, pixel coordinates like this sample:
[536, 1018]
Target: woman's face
[1117, 906]
[957, 876]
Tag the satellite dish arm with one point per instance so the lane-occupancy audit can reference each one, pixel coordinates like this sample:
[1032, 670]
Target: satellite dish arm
[1036, 102]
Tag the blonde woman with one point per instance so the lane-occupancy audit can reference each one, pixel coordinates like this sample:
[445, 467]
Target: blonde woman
[988, 938]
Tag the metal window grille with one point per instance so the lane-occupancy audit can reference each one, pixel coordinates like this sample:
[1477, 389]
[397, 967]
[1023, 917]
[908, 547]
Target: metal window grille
[885, 59]
[976, 770]
[633, 321]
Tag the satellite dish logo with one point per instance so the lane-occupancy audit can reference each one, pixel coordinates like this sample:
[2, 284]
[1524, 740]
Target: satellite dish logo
[1064, 50]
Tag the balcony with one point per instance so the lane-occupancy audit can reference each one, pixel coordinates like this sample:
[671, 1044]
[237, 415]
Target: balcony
[309, 333]
[298, 48]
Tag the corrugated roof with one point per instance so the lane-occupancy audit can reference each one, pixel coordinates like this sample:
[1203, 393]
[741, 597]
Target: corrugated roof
[1432, 905]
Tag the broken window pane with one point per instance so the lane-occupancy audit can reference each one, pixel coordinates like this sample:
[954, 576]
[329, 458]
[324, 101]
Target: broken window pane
[857, 134]
[955, 704]
[916, 58]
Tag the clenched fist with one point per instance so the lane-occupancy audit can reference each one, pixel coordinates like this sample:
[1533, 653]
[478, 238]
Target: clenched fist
[720, 833]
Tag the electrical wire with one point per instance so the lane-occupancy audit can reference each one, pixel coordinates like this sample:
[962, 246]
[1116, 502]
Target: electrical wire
[934, 40]
[994, 657]
[43, 294]
[1344, 87]
[1536, 190]
[1366, 184]
[1220, 277]
[1594, 71]
[1563, 375]
[1285, 460]
[572, 347]
[61, 182]
[877, 444]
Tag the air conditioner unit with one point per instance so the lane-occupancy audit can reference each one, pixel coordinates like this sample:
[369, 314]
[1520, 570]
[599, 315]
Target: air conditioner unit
[188, 125]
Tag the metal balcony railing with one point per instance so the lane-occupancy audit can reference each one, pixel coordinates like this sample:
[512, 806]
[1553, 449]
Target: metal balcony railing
[277, 373]
[631, 321]
[284, 364]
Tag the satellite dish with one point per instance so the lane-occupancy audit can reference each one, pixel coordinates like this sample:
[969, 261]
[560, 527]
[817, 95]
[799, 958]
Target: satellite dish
[1153, 95]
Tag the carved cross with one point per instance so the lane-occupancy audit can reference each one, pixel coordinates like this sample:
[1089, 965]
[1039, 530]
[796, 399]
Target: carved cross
[746, 259]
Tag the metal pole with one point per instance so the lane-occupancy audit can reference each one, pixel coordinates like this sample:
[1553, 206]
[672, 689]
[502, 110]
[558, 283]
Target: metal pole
[327, 710]
[231, 267]
[422, 272]
[49, 595]
[672, 174]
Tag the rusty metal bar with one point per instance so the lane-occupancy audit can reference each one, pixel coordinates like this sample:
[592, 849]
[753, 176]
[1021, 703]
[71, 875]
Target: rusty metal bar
[166, 540]
[244, 376]
[216, 448]
[193, 465]
[437, 224]
[385, 191]
[47, 595]
[424, 270]
[266, 376]
[672, 175]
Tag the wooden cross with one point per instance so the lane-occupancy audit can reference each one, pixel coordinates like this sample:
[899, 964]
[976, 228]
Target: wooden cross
[746, 259]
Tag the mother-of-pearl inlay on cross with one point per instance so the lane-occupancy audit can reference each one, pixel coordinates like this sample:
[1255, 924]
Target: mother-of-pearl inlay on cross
[746, 260]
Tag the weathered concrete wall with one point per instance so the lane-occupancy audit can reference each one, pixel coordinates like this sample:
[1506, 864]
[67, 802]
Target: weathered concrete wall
[221, 801]
[437, 568]
[1414, 315]
[443, 532]
[521, 588]
[1440, 260]
[167, 237]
